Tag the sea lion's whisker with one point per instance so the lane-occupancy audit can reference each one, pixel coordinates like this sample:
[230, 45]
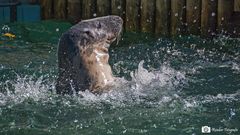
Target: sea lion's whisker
[119, 36]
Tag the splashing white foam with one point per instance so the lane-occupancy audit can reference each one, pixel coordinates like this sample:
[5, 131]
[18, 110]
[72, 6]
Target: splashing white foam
[236, 67]
[24, 88]
[145, 87]
[151, 88]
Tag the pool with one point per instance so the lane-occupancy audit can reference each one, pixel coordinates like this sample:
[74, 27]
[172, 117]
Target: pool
[167, 87]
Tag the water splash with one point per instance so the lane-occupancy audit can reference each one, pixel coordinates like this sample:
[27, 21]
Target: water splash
[25, 88]
[144, 87]
[149, 88]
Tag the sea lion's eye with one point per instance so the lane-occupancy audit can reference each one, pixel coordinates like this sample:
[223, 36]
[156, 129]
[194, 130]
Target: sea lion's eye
[87, 32]
[90, 34]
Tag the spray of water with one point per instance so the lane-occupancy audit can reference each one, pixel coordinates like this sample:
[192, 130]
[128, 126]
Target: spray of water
[150, 88]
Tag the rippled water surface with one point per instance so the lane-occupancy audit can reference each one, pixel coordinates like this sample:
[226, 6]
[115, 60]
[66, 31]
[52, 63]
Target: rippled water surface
[166, 86]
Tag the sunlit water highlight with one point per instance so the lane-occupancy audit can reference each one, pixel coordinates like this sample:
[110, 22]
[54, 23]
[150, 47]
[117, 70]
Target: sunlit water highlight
[164, 87]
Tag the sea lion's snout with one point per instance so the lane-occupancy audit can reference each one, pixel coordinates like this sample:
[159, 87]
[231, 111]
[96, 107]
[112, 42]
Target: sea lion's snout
[115, 23]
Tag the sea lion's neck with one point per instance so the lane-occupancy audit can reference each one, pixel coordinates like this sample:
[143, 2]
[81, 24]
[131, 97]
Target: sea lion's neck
[100, 71]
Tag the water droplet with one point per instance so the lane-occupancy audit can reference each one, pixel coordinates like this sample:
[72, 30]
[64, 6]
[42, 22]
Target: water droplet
[232, 112]
[213, 14]
[75, 121]
[5, 28]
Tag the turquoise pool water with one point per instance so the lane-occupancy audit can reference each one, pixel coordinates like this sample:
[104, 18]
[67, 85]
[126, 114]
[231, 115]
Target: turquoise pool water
[168, 86]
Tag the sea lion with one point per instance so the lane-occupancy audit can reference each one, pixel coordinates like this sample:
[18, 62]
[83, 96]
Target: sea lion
[83, 55]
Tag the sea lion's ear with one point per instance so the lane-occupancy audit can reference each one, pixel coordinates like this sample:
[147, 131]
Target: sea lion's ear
[84, 41]
[99, 25]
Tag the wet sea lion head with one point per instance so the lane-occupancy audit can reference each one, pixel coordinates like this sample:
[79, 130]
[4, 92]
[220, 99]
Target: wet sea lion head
[102, 29]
